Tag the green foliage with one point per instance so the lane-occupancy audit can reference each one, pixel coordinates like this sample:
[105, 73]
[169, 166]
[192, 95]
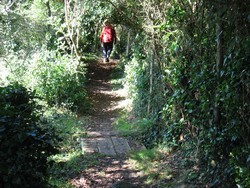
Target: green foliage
[239, 158]
[175, 79]
[24, 146]
[70, 161]
[23, 33]
[57, 79]
[66, 124]
[145, 156]
[136, 128]
[150, 162]
[60, 81]
[137, 82]
[68, 165]
[117, 77]
[191, 86]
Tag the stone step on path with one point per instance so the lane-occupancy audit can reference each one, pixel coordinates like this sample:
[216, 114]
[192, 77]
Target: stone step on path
[105, 145]
[108, 143]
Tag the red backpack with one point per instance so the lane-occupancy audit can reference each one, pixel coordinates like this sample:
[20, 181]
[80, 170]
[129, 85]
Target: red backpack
[107, 34]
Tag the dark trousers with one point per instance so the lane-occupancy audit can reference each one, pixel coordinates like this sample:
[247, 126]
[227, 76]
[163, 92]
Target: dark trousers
[107, 49]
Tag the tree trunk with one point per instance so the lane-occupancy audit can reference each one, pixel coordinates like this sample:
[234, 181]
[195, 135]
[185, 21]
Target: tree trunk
[219, 63]
[48, 7]
[70, 29]
[151, 71]
[96, 39]
[128, 44]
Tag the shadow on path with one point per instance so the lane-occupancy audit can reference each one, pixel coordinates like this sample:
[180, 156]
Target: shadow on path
[106, 105]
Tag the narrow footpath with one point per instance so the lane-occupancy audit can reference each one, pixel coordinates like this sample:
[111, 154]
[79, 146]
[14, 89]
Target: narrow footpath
[113, 168]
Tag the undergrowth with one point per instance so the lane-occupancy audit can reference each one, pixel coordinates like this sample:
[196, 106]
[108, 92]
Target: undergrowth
[135, 128]
[157, 166]
[163, 164]
[70, 161]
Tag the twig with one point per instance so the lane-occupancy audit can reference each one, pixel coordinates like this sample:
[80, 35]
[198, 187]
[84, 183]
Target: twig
[9, 5]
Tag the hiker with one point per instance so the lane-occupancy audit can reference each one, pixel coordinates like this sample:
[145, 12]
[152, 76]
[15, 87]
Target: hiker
[107, 38]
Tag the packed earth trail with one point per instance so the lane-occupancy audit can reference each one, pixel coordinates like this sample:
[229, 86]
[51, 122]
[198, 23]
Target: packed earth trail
[113, 168]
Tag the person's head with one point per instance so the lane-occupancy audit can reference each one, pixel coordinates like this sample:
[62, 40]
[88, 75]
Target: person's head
[106, 22]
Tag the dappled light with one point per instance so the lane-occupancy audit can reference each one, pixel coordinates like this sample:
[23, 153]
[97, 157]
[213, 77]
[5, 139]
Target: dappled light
[106, 172]
[123, 93]
[101, 136]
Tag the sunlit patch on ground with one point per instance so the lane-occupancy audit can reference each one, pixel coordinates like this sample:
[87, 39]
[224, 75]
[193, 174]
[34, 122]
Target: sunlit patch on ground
[107, 104]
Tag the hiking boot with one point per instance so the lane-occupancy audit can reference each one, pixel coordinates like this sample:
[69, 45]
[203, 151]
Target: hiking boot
[107, 59]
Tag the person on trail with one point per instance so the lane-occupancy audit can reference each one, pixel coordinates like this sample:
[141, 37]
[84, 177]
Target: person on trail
[107, 38]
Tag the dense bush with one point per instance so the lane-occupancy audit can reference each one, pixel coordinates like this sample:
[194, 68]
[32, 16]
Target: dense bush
[38, 54]
[24, 146]
[193, 63]
[57, 79]
[60, 80]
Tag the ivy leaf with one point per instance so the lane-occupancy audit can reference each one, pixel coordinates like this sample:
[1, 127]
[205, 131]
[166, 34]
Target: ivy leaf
[2, 129]
[248, 159]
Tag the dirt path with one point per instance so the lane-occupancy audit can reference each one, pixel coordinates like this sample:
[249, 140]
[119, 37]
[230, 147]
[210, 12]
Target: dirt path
[106, 107]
